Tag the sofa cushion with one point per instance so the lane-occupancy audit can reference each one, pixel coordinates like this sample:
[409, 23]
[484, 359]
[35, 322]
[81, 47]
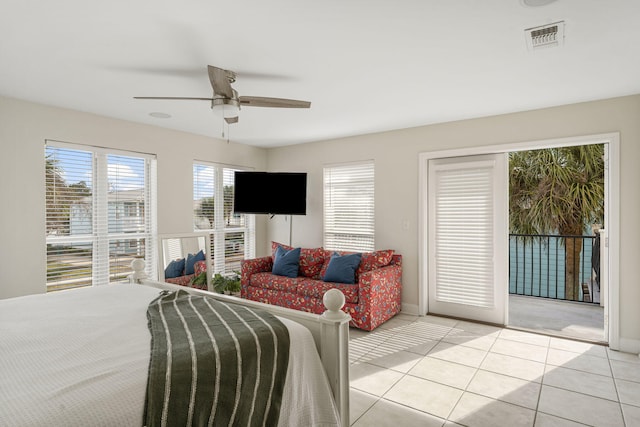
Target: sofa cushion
[174, 269]
[311, 259]
[273, 282]
[316, 289]
[189, 265]
[369, 261]
[342, 268]
[286, 262]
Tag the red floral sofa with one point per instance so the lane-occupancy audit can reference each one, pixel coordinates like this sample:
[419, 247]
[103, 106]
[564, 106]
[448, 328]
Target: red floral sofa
[371, 301]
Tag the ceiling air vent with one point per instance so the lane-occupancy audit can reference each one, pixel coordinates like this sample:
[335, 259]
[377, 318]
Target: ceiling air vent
[545, 36]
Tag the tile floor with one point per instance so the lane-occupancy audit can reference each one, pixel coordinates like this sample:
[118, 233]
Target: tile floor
[433, 371]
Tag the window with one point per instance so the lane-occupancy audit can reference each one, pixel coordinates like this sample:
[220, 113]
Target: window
[232, 235]
[349, 207]
[98, 214]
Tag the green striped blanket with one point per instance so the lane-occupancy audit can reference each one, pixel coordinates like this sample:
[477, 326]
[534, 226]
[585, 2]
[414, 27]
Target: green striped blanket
[213, 363]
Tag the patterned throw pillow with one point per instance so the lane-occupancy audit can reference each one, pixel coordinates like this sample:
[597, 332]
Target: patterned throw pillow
[311, 259]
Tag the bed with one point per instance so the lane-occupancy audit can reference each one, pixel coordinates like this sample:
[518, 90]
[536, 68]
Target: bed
[81, 357]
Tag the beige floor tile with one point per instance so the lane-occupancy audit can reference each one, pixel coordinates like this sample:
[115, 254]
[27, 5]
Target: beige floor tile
[578, 347]
[405, 316]
[372, 379]
[622, 356]
[458, 354]
[423, 395]
[425, 329]
[390, 414]
[629, 392]
[395, 324]
[626, 370]
[525, 337]
[580, 362]
[478, 328]
[411, 343]
[546, 420]
[355, 333]
[478, 411]
[401, 361]
[513, 366]
[631, 415]
[437, 320]
[581, 382]
[359, 403]
[443, 372]
[505, 388]
[520, 349]
[580, 407]
[470, 339]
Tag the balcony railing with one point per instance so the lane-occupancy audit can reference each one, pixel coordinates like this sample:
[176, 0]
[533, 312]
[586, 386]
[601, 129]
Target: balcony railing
[539, 266]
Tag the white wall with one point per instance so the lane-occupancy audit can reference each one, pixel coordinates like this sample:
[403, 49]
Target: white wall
[396, 162]
[25, 126]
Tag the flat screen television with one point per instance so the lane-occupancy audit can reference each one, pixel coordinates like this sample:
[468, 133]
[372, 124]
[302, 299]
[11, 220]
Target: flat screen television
[276, 193]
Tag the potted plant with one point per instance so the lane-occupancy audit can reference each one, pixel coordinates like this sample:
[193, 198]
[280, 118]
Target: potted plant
[200, 281]
[226, 284]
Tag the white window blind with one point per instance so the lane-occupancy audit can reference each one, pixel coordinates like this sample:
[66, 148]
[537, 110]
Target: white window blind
[232, 235]
[349, 207]
[464, 234]
[100, 214]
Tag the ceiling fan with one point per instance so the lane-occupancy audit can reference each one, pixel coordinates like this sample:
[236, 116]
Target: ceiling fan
[226, 100]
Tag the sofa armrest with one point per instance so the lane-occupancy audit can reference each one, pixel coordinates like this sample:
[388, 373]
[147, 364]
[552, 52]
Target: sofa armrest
[250, 267]
[387, 276]
[379, 295]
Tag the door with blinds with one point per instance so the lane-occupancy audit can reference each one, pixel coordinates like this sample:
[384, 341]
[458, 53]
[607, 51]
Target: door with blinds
[468, 230]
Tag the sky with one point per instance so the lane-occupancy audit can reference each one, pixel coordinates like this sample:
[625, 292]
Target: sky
[124, 172]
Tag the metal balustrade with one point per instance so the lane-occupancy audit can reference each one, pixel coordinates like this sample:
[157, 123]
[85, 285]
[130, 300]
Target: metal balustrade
[538, 266]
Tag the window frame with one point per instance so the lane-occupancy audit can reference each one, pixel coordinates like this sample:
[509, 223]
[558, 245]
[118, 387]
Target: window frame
[105, 243]
[220, 231]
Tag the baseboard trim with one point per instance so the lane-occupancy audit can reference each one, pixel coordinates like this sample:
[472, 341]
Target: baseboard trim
[629, 345]
[411, 309]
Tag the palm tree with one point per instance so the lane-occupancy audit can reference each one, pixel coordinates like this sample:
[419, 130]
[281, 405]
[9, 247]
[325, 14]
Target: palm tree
[558, 190]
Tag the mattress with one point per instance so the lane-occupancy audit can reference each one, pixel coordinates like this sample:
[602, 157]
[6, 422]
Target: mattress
[80, 358]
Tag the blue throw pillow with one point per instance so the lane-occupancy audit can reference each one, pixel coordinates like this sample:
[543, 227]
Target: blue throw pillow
[190, 264]
[174, 269]
[286, 262]
[342, 269]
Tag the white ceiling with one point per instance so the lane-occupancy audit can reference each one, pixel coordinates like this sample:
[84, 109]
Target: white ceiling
[365, 65]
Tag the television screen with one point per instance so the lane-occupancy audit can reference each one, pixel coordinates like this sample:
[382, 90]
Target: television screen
[283, 193]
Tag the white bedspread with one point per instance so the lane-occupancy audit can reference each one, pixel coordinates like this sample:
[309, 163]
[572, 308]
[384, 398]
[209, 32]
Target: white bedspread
[80, 358]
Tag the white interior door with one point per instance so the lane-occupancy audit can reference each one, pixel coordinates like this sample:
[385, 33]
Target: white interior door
[468, 231]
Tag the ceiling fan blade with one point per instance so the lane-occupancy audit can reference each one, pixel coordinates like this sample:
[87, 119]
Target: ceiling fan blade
[259, 101]
[231, 120]
[173, 98]
[220, 81]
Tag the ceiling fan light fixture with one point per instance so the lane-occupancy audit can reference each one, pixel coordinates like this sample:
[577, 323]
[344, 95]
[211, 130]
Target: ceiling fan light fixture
[225, 107]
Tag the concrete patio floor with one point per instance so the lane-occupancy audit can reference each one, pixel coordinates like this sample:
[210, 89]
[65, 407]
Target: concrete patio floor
[555, 317]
